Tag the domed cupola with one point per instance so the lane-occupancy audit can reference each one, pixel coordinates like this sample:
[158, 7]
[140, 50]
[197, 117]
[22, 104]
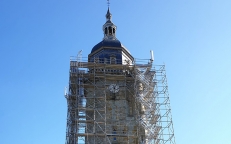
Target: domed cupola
[110, 50]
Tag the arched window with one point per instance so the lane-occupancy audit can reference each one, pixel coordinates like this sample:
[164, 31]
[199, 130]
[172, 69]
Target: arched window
[110, 30]
[113, 60]
[105, 31]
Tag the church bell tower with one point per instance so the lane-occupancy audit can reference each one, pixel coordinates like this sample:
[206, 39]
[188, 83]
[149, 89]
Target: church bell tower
[114, 99]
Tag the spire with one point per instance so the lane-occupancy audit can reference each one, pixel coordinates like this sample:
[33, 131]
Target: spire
[109, 28]
[108, 15]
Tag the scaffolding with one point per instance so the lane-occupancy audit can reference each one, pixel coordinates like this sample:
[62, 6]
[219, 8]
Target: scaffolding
[139, 113]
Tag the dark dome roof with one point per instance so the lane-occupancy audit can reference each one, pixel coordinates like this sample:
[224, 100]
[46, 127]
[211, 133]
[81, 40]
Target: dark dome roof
[108, 43]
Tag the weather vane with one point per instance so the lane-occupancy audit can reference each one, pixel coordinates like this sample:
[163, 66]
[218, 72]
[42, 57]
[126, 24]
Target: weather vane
[108, 3]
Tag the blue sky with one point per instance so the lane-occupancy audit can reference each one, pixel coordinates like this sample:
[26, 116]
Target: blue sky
[37, 38]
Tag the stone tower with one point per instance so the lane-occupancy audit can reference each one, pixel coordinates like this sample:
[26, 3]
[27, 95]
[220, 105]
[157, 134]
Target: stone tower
[113, 80]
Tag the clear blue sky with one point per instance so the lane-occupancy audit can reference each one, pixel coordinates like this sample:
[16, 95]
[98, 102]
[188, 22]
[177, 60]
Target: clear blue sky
[192, 37]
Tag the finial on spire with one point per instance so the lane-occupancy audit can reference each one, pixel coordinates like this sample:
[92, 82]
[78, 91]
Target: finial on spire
[108, 15]
[108, 3]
